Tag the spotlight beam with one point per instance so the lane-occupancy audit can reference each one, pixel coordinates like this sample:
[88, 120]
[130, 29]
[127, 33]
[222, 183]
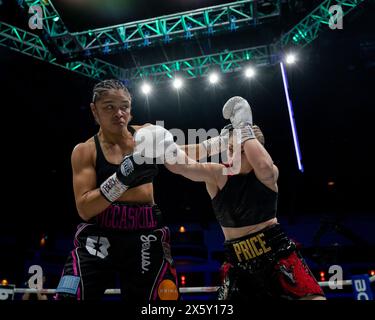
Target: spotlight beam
[291, 118]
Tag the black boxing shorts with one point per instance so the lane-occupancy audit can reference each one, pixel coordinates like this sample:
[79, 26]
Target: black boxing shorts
[265, 265]
[127, 243]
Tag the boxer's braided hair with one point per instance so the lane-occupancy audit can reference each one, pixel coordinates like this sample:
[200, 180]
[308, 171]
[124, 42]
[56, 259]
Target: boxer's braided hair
[106, 85]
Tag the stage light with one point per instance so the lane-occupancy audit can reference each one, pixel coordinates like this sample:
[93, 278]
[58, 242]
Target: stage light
[146, 88]
[43, 242]
[331, 183]
[249, 72]
[55, 19]
[182, 229]
[4, 282]
[177, 83]
[290, 58]
[213, 78]
[372, 273]
[183, 280]
[322, 275]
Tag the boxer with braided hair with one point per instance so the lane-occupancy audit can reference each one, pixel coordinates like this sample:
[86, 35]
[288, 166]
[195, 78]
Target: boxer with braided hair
[122, 233]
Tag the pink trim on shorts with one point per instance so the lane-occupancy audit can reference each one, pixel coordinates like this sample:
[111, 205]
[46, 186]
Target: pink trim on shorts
[165, 236]
[79, 230]
[160, 278]
[75, 272]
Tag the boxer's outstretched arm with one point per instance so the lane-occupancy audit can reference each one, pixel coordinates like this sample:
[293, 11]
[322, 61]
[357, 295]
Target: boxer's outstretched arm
[214, 145]
[195, 171]
[207, 148]
[195, 151]
[162, 146]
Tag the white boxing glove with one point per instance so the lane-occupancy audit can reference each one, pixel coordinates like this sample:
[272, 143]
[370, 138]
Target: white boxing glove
[154, 142]
[238, 110]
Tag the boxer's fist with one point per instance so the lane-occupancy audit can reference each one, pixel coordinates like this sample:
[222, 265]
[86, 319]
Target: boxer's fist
[153, 142]
[238, 110]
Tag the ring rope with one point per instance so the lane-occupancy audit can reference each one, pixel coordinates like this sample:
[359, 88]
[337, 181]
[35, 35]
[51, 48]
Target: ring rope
[184, 289]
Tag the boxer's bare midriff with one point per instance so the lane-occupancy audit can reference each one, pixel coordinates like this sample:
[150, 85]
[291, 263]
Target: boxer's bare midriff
[235, 233]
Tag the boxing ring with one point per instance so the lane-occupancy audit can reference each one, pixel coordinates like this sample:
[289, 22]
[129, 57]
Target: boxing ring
[183, 290]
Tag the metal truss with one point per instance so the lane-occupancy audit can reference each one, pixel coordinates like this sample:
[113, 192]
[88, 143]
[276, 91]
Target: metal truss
[52, 21]
[30, 44]
[185, 25]
[308, 29]
[228, 61]
[197, 21]
[144, 33]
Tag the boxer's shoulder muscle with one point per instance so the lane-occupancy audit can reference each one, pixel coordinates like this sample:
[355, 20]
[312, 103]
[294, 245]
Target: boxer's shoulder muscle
[84, 153]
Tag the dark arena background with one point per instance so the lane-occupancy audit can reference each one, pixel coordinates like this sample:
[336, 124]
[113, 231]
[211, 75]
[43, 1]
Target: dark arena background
[50, 62]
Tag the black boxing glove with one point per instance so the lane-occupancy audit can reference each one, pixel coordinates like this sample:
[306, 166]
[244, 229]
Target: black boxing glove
[122, 179]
